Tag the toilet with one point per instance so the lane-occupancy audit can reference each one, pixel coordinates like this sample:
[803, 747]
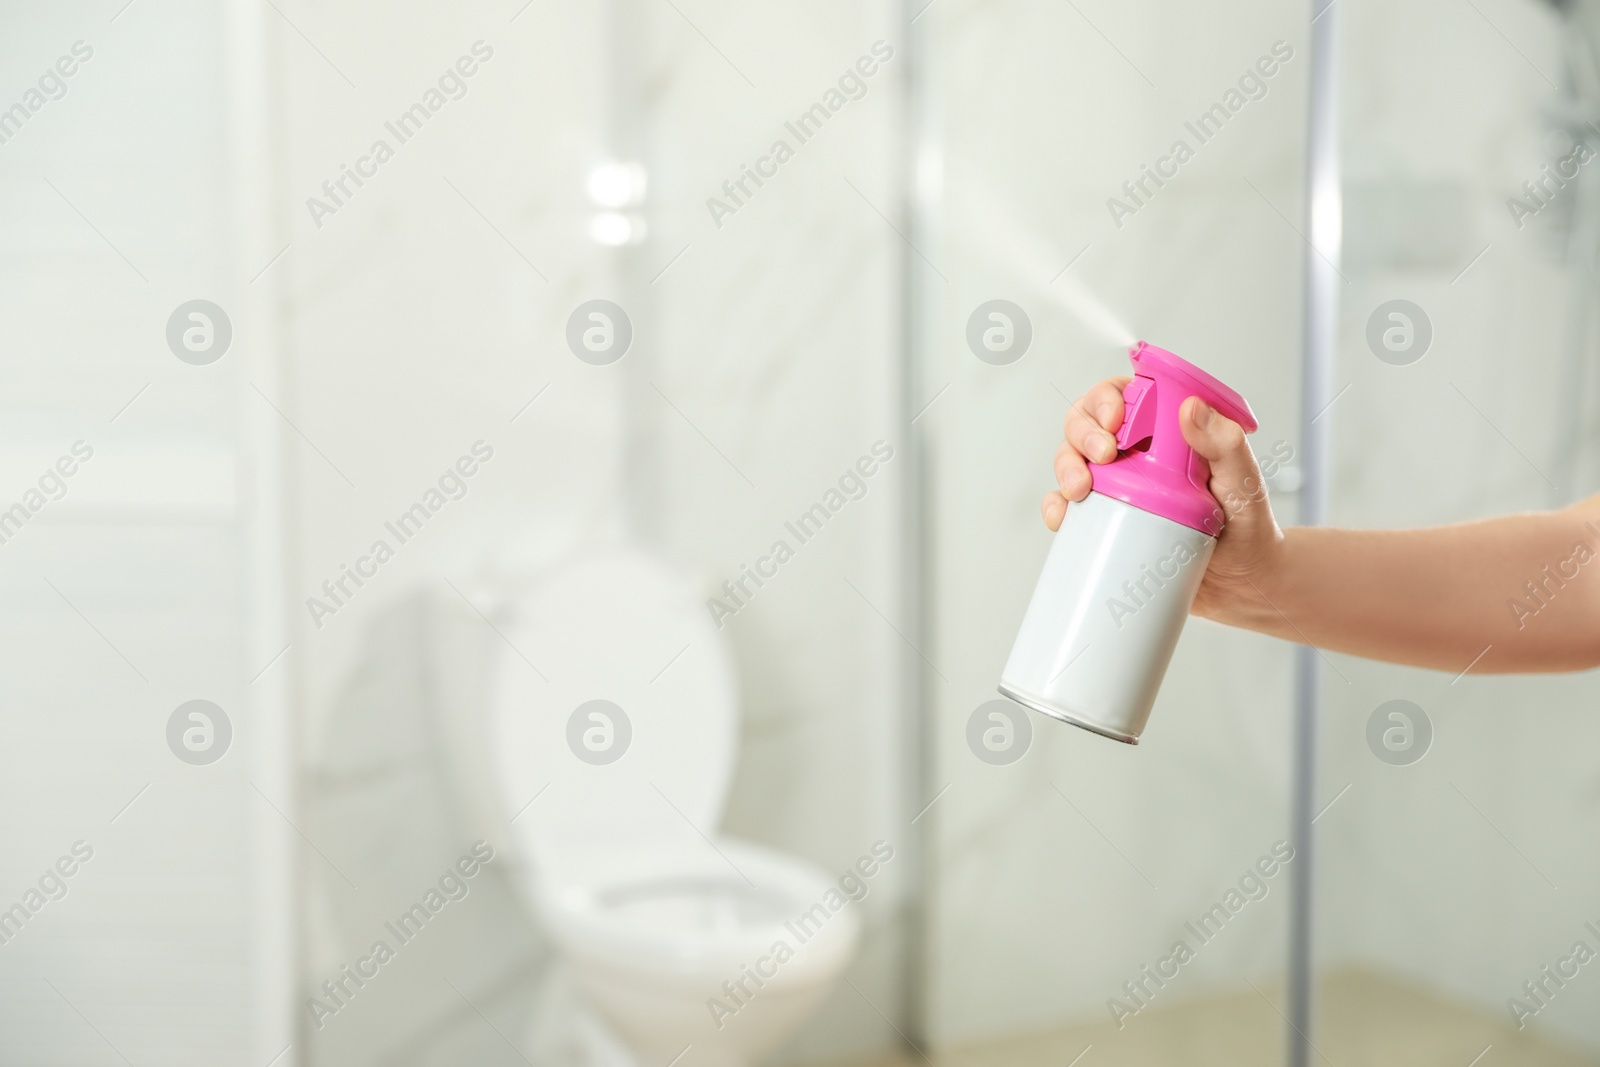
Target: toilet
[612, 727]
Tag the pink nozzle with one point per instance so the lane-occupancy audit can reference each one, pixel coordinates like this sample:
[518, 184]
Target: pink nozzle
[1155, 469]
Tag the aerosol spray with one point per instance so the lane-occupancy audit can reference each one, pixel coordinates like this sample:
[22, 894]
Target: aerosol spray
[1124, 568]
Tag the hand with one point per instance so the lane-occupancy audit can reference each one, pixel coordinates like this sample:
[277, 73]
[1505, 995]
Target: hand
[1251, 541]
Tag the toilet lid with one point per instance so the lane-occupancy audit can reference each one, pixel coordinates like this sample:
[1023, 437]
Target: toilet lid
[613, 704]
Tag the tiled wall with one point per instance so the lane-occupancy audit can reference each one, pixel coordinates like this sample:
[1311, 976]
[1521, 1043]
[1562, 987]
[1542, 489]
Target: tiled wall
[762, 367]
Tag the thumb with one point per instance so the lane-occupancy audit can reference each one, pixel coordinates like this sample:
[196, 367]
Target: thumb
[1235, 479]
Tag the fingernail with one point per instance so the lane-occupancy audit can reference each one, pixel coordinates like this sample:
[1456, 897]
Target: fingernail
[1102, 413]
[1201, 413]
[1102, 445]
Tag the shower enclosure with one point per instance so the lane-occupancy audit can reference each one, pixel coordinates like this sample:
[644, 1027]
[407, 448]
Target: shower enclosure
[1176, 174]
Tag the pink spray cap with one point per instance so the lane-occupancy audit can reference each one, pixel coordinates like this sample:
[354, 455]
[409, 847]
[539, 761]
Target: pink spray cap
[1155, 469]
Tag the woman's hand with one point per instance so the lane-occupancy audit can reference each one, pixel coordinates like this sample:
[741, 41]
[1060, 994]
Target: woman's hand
[1250, 544]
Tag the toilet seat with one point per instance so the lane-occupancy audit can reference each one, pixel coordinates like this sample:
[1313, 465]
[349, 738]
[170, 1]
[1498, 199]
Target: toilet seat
[695, 919]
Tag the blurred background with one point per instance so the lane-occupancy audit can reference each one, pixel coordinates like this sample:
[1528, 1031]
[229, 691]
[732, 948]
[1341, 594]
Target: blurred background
[527, 293]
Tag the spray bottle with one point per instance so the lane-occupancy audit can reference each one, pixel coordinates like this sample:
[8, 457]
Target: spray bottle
[1124, 568]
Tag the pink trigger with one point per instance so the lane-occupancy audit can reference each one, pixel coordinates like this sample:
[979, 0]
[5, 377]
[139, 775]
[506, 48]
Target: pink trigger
[1155, 470]
[1138, 417]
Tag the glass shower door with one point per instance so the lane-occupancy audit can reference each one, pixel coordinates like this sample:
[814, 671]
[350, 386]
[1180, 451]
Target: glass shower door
[1459, 880]
[1102, 173]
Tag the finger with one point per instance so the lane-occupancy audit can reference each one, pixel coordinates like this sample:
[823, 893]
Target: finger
[1103, 402]
[1094, 419]
[1072, 473]
[1054, 509]
[1089, 437]
[1235, 478]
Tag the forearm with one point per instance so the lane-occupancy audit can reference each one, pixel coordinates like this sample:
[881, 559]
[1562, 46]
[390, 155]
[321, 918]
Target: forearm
[1518, 593]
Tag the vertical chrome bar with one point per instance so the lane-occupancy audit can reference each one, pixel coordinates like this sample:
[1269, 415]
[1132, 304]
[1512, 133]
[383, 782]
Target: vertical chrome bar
[1324, 211]
[917, 154]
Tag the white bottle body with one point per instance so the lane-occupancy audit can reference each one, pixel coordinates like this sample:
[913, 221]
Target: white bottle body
[1105, 616]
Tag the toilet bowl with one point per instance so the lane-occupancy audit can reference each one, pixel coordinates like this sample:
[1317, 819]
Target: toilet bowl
[613, 731]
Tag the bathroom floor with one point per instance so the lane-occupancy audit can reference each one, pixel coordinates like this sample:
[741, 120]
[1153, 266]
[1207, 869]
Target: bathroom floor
[1367, 1021]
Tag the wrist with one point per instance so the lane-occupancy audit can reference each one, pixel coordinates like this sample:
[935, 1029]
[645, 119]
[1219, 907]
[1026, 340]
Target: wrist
[1272, 575]
[1252, 596]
